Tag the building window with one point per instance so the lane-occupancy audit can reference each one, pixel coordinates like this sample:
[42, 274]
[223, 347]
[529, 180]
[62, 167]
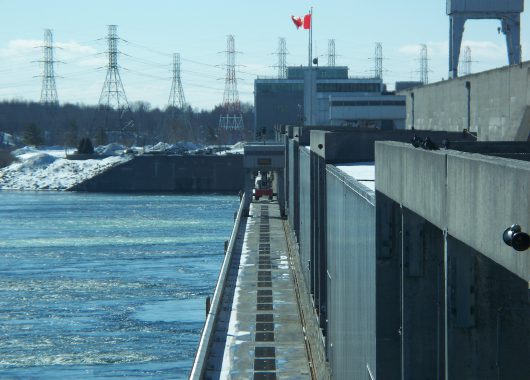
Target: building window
[348, 87]
[367, 103]
[272, 88]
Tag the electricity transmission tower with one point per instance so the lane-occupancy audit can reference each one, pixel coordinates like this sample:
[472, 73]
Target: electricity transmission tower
[112, 93]
[282, 58]
[176, 96]
[113, 101]
[231, 117]
[177, 100]
[466, 63]
[424, 65]
[48, 94]
[331, 52]
[378, 60]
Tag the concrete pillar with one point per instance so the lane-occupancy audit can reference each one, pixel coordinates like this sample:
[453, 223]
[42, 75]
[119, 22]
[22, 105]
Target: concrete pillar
[281, 191]
[310, 96]
[388, 277]
[423, 301]
[294, 187]
[249, 185]
[305, 220]
[487, 315]
[286, 173]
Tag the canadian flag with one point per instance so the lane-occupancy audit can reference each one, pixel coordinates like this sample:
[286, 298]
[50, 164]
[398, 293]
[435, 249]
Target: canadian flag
[304, 22]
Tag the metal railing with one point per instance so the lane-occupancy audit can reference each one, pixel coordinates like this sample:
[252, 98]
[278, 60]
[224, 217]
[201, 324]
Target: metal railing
[201, 357]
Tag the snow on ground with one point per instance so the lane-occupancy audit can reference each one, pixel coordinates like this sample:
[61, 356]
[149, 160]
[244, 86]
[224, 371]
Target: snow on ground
[28, 151]
[112, 149]
[237, 148]
[49, 170]
[177, 148]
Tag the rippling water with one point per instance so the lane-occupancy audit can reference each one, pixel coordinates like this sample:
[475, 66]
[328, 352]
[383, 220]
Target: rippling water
[106, 286]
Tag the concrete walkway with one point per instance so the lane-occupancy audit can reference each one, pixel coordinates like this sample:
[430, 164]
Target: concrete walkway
[264, 338]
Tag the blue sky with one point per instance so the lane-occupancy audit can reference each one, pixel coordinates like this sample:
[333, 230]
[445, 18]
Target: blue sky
[197, 30]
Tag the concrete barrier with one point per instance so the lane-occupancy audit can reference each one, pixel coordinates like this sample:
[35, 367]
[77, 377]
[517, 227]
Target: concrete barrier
[486, 195]
[474, 197]
[499, 104]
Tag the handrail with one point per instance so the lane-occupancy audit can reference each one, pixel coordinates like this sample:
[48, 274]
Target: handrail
[199, 364]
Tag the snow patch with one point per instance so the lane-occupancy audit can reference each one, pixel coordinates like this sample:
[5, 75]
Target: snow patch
[38, 160]
[47, 170]
[181, 147]
[110, 149]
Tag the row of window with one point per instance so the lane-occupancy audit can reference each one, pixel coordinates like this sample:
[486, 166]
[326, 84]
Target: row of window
[321, 87]
[348, 87]
[364, 103]
[322, 72]
[279, 87]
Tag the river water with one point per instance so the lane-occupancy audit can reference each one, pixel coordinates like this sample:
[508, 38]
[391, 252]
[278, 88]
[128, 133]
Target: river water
[106, 286]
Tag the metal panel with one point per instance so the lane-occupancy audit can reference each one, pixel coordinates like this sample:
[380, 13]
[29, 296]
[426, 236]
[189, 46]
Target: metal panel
[305, 214]
[286, 182]
[318, 237]
[294, 187]
[351, 276]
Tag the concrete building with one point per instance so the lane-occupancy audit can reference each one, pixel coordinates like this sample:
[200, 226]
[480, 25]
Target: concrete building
[325, 96]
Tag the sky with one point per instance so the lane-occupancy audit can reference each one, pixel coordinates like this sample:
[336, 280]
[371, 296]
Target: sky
[153, 30]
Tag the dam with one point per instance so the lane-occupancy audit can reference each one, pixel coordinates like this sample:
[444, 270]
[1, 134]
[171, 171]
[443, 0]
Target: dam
[394, 244]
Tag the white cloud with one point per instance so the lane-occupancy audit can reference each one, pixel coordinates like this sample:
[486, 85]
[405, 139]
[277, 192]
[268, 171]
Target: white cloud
[78, 54]
[20, 48]
[75, 48]
[485, 50]
[435, 49]
[69, 52]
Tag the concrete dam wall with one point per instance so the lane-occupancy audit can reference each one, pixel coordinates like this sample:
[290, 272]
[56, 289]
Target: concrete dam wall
[409, 276]
[494, 103]
[170, 173]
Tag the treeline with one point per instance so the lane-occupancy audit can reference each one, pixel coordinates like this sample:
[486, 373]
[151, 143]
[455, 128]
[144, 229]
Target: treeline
[38, 124]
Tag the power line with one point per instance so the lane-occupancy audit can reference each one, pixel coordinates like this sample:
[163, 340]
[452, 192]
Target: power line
[112, 95]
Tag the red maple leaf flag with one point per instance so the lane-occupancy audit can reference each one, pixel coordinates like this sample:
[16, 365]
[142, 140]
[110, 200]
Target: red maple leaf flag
[307, 21]
[304, 22]
[297, 21]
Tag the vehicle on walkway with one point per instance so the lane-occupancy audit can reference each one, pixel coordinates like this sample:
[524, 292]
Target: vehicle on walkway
[263, 186]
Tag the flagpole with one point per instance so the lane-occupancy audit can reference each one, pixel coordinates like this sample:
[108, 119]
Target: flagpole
[311, 39]
[310, 114]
